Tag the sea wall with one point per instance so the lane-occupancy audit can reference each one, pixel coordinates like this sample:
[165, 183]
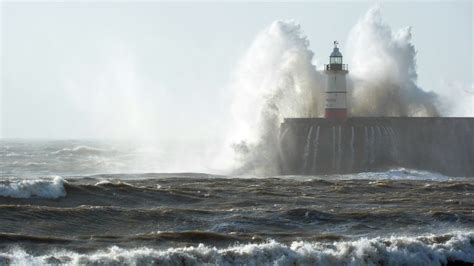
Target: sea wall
[322, 146]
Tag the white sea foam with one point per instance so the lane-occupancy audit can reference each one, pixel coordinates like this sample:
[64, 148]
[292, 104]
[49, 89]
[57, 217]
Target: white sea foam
[103, 182]
[80, 150]
[399, 174]
[422, 250]
[25, 188]
[115, 183]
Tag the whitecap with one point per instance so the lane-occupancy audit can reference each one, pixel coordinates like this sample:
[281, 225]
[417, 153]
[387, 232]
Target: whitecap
[25, 188]
[395, 250]
[82, 149]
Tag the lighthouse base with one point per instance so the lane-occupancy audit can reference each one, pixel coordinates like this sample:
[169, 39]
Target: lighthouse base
[311, 146]
[335, 113]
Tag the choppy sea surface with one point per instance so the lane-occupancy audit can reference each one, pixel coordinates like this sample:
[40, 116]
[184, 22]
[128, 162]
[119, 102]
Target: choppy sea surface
[81, 202]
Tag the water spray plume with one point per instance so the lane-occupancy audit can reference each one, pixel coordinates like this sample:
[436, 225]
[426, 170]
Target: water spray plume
[383, 71]
[276, 79]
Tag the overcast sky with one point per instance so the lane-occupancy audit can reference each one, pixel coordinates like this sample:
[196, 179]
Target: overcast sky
[92, 70]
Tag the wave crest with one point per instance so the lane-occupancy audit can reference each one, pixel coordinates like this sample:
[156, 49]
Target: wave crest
[50, 188]
[79, 150]
[423, 250]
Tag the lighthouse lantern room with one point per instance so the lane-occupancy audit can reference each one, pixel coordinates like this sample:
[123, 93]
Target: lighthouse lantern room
[336, 100]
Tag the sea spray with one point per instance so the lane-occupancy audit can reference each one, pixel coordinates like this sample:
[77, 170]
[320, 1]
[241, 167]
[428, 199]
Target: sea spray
[115, 97]
[457, 98]
[383, 71]
[275, 79]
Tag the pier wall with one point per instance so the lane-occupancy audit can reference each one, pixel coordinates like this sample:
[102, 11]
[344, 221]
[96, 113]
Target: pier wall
[322, 146]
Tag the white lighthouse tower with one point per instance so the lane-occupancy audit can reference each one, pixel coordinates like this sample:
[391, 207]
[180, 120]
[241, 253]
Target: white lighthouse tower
[336, 100]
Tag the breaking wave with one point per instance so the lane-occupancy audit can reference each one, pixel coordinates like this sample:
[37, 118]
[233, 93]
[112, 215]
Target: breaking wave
[25, 188]
[80, 150]
[395, 250]
[277, 78]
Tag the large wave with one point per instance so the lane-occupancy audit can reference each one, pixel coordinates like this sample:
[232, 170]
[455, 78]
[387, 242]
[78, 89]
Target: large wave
[277, 79]
[422, 250]
[25, 188]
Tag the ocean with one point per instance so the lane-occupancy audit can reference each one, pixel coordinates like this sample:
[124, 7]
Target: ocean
[89, 203]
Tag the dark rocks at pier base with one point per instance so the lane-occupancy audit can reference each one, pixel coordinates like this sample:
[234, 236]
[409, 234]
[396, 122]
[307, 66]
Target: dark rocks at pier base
[322, 146]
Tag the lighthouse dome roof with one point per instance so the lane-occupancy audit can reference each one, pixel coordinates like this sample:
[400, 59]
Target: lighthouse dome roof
[336, 53]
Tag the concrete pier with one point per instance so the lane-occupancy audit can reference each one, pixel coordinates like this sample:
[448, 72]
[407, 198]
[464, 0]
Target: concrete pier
[322, 146]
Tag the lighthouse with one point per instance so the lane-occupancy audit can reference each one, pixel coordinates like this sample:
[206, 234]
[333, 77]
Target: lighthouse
[336, 100]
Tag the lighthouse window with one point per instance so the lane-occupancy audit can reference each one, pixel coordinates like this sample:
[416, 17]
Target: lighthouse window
[336, 60]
